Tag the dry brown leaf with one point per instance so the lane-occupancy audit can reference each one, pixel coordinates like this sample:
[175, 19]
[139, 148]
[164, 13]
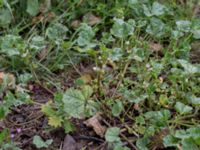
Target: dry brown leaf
[75, 24]
[10, 79]
[94, 122]
[155, 47]
[92, 19]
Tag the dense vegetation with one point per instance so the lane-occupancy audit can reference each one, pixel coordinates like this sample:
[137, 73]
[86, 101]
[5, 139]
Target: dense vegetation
[118, 74]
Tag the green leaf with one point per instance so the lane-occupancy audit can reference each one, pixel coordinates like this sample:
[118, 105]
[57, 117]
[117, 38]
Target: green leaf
[38, 43]
[142, 143]
[5, 17]
[76, 102]
[87, 91]
[25, 78]
[39, 143]
[159, 118]
[56, 32]
[194, 100]
[32, 7]
[182, 108]
[112, 134]
[156, 27]
[117, 108]
[189, 68]
[189, 144]
[196, 34]
[116, 54]
[12, 45]
[86, 35]
[177, 34]
[170, 141]
[122, 29]
[183, 25]
[181, 134]
[68, 126]
[48, 109]
[158, 9]
[3, 135]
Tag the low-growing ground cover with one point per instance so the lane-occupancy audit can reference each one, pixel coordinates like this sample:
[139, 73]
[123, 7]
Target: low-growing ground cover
[107, 74]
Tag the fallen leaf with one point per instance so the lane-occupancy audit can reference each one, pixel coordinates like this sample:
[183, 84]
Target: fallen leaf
[10, 79]
[69, 143]
[92, 19]
[155, 47]
[94, 122]
[75, 24]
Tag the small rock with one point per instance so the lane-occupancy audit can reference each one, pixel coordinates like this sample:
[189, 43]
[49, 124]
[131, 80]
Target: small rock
[69, 143]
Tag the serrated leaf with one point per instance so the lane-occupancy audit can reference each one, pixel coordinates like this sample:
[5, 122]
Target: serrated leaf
[32, 7]
[76, 102]
[182, 108]
[112, 134]
[47, 109]
[39, 143]
[55, 121]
